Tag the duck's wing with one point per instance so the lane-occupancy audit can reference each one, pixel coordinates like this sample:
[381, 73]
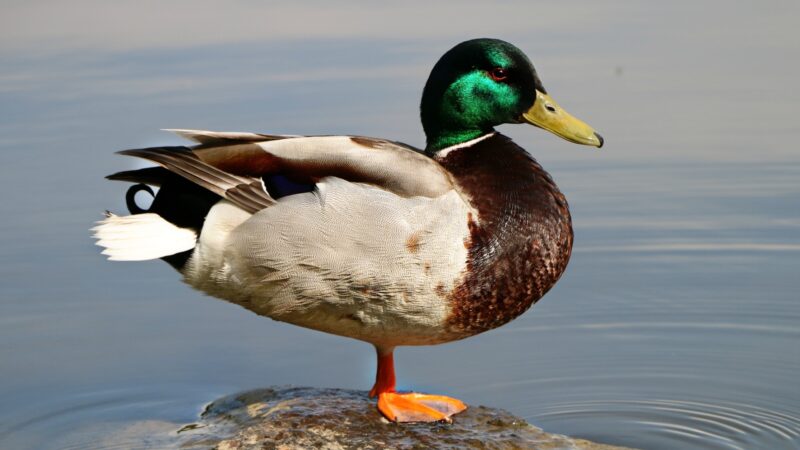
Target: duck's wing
[234, 165]
[392, 166]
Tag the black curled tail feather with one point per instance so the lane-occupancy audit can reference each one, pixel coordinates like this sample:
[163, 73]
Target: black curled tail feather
[177, 200]
[130, 198]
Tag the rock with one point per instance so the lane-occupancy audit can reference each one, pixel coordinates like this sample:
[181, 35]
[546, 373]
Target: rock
[333, 419]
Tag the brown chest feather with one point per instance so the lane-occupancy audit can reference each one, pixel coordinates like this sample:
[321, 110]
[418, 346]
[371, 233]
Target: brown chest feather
[521, 242]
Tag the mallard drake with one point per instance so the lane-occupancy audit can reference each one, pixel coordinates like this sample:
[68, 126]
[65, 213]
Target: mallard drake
[369, 238]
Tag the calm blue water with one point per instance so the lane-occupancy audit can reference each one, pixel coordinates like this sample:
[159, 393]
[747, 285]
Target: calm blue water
[675, 326]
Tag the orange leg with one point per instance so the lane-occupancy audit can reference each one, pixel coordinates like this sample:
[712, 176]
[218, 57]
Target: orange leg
[384, 378]
[408, 407]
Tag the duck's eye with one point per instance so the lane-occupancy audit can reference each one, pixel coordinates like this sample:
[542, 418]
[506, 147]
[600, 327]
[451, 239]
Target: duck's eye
[498, 74]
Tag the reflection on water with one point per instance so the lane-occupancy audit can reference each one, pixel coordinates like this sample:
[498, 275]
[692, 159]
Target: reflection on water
[675, 326]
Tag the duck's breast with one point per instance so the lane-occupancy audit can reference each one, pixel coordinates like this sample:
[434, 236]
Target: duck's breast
[520, 239]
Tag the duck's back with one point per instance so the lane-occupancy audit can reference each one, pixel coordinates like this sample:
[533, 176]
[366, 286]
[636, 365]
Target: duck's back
[519, 244]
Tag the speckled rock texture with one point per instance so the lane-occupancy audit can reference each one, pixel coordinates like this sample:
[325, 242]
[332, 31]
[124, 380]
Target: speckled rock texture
[333, 419]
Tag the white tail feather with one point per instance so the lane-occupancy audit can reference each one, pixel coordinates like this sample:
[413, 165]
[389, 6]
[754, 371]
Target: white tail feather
[141, 237]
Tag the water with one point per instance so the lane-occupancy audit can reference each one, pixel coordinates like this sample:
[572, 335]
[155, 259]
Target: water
[675, 326]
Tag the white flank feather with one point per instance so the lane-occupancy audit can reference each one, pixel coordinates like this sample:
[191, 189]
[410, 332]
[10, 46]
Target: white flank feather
[141, 237]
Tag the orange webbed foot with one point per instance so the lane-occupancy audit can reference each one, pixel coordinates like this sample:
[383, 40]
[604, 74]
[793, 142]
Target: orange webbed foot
[414, 407]
[408, 407]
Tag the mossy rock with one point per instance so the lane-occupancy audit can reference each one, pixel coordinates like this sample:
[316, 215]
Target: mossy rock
[333, 419]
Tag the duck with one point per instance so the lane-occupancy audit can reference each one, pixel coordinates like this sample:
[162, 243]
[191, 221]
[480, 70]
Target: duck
[370, 238]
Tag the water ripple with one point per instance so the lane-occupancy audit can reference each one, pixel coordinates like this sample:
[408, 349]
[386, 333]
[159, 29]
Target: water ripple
[691, 247]
[103, 419]
[665, 423]
[765, 328]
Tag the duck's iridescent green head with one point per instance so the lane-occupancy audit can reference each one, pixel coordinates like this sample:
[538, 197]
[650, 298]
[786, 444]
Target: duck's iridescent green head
[482, 83]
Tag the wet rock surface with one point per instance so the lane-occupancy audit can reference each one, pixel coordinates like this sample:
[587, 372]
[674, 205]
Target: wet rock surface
[301, 418]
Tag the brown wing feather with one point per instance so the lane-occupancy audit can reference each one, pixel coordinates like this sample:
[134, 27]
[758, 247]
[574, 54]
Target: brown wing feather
[217, 138]
[389, 165]
[246, 192]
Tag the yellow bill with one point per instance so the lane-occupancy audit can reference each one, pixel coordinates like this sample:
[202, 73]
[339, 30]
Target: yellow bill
[545, 113]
